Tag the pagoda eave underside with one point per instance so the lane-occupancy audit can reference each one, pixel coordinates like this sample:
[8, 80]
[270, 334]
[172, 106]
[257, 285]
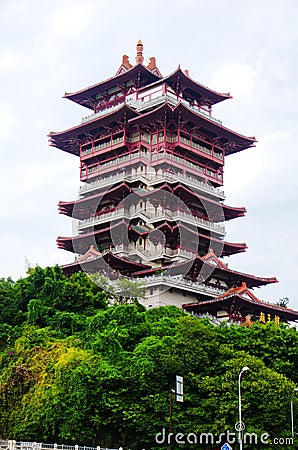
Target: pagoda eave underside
[94, 261]
[231, 140]
[81, 243]
[139, 75]
[180, 82]
[82, 208]
[199, 267]
[70, 140]
[107, 263]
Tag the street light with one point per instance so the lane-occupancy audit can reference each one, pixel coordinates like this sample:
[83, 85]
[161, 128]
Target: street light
[292, 412]
[240, 425]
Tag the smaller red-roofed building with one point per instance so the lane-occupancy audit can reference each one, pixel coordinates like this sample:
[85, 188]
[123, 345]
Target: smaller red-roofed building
[240, 305]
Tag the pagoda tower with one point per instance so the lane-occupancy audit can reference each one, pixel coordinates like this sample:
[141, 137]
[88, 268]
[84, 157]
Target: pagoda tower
[151, 205]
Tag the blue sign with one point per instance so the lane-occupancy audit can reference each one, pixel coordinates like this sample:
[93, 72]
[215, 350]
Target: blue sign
[226, 447]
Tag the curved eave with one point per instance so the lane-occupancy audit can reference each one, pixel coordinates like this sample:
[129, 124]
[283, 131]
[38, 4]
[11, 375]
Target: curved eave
[232, 212]
[70, 140]
[232, 141]
[66, 208]
[260, 306]
[87, 96]
[223, 273]
[250, 280]
[229, 212]
[73, 243]
[219, 212]
[87, 239]
[75, 209]
[153, 113]
[186, 82]
[228, 248]
[100, 263]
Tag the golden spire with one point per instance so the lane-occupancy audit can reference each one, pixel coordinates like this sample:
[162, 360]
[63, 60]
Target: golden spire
[139, 57]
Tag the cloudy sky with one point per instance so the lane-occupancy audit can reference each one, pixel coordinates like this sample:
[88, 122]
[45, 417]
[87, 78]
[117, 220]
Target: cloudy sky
[247, 48]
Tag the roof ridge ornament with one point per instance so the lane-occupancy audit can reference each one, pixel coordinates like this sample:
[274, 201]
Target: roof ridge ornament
[139, 57]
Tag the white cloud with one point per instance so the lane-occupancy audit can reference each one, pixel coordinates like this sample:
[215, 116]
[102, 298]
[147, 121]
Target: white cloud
[72, 18]
[10, 60]
[240, 76]
[7, 121]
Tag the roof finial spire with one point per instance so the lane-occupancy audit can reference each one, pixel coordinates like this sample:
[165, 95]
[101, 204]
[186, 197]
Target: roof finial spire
[139, 57]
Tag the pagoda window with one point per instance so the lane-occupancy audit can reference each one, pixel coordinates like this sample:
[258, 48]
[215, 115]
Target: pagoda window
[170, 92]
[153, 138]
[117, 138]
[218, 153]
[135, 137]
[92, 169]
[185, 139]
[146, 137]
[103, 143]
[86, 149]
[161, 136]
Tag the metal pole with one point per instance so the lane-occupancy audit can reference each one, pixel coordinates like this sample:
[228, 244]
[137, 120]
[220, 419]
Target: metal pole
[244, 369]
[239, 411]
[292, 417]
[171, 414]
[292, 412]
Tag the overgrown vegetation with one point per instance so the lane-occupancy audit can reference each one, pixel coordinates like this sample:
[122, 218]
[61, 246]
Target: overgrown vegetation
[75, 369]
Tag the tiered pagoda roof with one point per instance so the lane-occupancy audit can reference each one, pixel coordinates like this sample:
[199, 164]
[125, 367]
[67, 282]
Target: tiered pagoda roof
[181, 82]
[140, 76]
[210, 266]
[137, 77]
[105, 263]
[80, 209]
[80, 243]
[71, 139]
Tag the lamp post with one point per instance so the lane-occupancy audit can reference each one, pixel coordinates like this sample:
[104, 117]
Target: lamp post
[292, 412]
[171, 415]
[240, 425]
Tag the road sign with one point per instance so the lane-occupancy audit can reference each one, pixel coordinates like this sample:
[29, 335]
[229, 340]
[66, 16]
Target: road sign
[179, 388]
[226, 446]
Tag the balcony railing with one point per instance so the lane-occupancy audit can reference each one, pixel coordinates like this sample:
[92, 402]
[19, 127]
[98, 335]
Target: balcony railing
[104, 112]
[150, 218]
[152, 254]
[151, 180]
[14, 445]
[146, 138]
[143, 105]
[103, 145]
[156, 158]
[179, 282]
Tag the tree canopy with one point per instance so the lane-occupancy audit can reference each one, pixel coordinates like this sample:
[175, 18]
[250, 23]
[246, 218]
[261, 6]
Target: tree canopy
[77, 369]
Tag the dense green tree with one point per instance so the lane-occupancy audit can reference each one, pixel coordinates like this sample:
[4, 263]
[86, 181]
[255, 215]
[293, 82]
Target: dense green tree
[75, 370]
[276, 345]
